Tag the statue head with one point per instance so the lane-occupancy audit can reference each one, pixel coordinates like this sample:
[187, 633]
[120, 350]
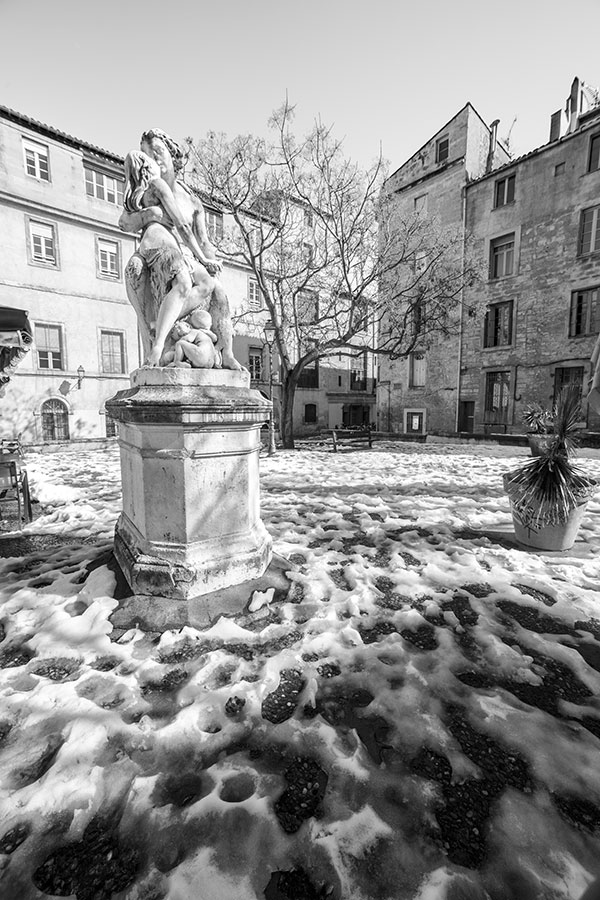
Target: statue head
[140, 170]
[180, 328]
[162, 148]
[200, 318]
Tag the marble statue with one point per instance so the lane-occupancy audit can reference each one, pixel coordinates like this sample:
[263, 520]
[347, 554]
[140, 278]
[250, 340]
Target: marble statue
[194, 343]
[175, 270]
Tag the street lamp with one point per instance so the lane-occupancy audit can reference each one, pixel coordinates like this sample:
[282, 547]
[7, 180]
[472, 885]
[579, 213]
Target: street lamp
[269, 332]
[80, 377]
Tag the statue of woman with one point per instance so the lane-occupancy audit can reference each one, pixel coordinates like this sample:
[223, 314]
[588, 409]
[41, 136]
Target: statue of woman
[147, 290]
[180, 275]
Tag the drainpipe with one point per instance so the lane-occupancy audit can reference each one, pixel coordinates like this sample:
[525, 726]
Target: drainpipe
[461, 306]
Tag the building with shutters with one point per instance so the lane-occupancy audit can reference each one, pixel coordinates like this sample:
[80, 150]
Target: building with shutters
[62, 265]
[533, 224]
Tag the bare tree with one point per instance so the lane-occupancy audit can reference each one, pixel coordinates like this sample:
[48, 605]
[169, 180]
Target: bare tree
[339, 271]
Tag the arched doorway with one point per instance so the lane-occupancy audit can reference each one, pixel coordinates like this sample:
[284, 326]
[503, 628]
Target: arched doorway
[55, 421]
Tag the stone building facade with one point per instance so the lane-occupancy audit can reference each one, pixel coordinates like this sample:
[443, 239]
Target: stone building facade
[62, 262]
[419, 393]
[532, 223]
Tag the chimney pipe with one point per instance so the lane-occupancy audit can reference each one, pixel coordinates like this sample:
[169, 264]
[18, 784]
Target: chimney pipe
[489, 165]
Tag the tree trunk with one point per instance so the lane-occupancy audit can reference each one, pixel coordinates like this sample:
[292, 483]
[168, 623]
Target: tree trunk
[288, 392]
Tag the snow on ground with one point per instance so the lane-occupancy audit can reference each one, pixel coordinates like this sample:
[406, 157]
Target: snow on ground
[419, 719]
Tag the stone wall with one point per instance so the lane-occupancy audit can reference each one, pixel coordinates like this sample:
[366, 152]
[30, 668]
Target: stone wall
[552, 187]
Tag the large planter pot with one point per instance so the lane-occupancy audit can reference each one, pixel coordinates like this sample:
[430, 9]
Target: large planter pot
[539, 444]
[549, 537]
[556, 533]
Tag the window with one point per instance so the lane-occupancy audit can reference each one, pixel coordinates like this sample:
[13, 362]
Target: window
[42, 243]
[565, 376]
[504, 191]
[589, 232]
[36, 160]
[421, 205]
[418, 315]
[309, 377]
[358, 374]
[594, 159]
[441, 150]
[307, 254]
[255, 363]
[103, 187]
[255, 301]
[112, 352]
[49, 346]
[310, 413]
[497, 386]
[582, 318]
[55, 421]
[307, 307]
[502, 252]
[498, 325]
[418, 369]
[308, 218]
[214, 225]
[108, 263]
[420, 262]
[559, 169]
[414, 421]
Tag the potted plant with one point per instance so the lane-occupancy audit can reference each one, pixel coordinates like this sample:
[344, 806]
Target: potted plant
[549, 494]
[540, 422]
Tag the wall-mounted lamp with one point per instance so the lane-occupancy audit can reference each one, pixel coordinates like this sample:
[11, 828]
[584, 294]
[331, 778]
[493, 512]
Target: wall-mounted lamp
[80, 376]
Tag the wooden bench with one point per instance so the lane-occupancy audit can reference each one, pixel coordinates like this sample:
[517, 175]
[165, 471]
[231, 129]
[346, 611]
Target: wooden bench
[351, 436]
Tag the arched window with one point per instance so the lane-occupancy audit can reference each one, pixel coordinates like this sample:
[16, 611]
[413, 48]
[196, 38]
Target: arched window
[55, 421]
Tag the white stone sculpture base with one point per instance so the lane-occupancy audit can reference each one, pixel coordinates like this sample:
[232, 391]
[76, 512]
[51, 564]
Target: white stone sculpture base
[190, 441]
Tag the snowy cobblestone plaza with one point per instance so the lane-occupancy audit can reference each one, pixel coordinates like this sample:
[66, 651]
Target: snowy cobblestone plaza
[418, 719]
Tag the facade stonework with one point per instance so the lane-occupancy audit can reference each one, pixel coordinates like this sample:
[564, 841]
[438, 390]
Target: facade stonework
[62, 262]
[433, 183]
[532, 224]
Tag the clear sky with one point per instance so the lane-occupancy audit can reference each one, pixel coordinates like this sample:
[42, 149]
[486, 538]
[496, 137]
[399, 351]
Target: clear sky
[383, 72]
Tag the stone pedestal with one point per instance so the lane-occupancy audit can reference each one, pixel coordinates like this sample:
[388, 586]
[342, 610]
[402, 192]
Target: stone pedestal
[190, 441]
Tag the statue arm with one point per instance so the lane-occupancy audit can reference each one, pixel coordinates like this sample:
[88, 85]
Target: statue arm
[134, 222]
[164, 195]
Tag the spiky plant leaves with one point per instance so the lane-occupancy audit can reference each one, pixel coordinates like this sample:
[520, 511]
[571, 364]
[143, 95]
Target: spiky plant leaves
[545, 490]
[567, 415]
[538, 419]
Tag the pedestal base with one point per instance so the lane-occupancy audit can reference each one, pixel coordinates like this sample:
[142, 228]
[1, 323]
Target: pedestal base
[190, 440]
[158, 614]
[187, 570]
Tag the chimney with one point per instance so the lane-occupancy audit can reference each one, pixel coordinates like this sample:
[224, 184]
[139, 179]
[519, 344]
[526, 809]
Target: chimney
[573, 106]
[489, 165]
[556, 121]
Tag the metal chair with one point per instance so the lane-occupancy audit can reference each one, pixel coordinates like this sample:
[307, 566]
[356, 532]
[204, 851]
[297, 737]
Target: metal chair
[14, 486]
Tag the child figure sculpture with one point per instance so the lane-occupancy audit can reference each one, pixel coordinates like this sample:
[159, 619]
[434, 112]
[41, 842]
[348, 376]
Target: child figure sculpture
[194, 343]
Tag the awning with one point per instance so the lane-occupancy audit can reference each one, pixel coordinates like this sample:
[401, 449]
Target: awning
[16, 337]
